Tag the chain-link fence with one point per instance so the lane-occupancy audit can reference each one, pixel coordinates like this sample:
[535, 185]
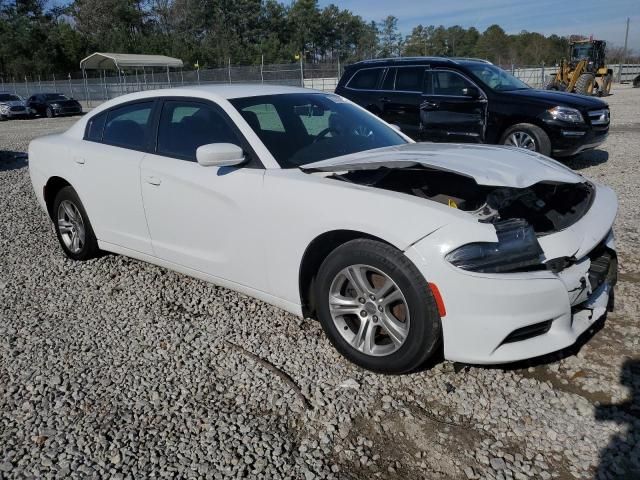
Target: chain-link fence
[99, 86]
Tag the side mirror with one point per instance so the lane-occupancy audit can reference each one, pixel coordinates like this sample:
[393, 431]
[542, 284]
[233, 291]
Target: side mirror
[472, 92]
[219, 155]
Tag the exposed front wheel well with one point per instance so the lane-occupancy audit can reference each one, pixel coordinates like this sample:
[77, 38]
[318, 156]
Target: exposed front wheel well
[51, 189]
[316, 252]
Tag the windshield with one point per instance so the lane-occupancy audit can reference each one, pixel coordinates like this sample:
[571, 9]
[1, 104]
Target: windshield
[580, 52]
[495, 77]
[303, 128]
[55, 96]
[6, 97]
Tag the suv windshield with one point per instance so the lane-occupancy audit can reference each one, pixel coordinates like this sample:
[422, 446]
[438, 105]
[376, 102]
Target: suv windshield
[302, 128]
[495, 77]
[6, 97]
[55, 96]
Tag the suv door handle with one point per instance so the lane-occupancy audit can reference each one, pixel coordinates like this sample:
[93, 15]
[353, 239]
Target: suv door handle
[152, 180]
[385, 99]
[79, 160]
[428, 104]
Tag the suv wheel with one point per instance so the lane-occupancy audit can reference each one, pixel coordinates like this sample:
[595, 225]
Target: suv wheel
[528, 136]
[50, 113]
[376, 307]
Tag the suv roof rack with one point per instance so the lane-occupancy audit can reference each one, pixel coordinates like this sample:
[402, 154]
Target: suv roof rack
[403, 59]
[472, 59]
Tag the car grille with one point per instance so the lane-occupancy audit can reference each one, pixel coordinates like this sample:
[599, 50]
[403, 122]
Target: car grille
[17, 109]
[599, 117]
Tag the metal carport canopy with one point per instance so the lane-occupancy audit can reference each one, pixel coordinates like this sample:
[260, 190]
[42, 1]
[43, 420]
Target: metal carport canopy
[118, 61]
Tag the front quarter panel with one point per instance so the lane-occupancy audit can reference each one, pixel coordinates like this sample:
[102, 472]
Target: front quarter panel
[300, 207]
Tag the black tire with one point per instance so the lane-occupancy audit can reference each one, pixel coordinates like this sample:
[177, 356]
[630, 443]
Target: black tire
[424, 332]
[554, 84]
[636, 82]
[50, 113]
[540, 137]
[89, 248]
[585, 84]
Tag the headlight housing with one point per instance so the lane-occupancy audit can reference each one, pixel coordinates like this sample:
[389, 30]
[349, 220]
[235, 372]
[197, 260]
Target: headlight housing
[566, 114]
[517, 248]
[55, 105]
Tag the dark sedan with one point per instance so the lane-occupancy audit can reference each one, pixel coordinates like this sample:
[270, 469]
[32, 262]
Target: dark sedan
[54, 104]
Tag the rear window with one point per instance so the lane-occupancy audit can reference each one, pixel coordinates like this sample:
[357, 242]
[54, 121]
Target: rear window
[366, 79]
[409, 79]
[128, 126]
[95, 126]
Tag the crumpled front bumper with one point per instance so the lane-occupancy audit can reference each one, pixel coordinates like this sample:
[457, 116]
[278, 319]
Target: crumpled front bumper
[501, 318]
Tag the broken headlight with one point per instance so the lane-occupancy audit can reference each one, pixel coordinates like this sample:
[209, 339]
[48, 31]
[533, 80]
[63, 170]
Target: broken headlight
[517, 248]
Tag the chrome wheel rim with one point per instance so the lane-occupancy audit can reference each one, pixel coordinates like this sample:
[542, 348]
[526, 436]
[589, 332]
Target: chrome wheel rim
[369, 310]
[521, 140]
[71, 226]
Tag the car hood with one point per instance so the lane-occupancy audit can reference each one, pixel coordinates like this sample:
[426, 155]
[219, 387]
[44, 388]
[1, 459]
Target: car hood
[553, 98]
[14, 103]
[487, 165]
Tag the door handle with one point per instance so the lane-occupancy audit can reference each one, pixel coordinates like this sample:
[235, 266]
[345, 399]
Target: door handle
[426, 104]
[79, 160]
[152, 180]
[385, 100]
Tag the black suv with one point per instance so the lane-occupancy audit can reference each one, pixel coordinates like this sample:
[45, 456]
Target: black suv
[471, 100]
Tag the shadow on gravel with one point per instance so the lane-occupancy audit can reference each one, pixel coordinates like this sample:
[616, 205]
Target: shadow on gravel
[12, 160]
[587, 159]
[620, 460]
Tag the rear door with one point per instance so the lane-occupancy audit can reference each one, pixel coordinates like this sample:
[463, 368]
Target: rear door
[109, 161]
[400, 98]
[453, 109]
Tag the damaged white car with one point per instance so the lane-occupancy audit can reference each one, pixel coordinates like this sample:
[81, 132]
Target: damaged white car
[306, 201]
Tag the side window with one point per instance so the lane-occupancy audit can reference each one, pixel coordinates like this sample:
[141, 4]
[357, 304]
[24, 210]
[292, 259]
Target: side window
[128, 126]
[449, 83]
[263, 117]
[186, 125]
[409, 79]
[389, 79]
[366, 79]
[95, 127]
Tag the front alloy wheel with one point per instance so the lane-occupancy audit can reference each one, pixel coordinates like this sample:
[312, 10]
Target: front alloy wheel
[369, 310]
[376, 308]
[521, 140]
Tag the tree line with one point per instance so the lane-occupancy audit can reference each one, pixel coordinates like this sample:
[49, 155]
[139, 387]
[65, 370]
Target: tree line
[37, 38]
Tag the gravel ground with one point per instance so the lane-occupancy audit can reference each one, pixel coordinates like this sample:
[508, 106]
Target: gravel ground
[115, 368]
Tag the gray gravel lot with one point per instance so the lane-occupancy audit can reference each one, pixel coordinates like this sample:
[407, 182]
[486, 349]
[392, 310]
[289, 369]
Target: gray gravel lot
[116, 368]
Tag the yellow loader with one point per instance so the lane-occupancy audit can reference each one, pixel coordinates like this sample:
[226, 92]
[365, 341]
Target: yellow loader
[586, 71]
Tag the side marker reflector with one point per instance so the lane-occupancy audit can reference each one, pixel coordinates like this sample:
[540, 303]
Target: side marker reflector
[438, 298]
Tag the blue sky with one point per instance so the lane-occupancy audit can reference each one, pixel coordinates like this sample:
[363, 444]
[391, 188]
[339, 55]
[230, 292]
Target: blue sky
[605, 19]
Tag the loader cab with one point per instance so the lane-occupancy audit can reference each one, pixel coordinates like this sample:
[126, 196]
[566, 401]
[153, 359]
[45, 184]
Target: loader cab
[592, 51]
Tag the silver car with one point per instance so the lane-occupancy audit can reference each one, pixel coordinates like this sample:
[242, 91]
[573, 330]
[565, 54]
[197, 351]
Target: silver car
[13, 106]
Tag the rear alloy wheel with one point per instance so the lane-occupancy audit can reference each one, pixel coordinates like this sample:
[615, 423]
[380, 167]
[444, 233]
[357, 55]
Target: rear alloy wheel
[376, 307]
[50, 113]
[527, 136]
[73, 228]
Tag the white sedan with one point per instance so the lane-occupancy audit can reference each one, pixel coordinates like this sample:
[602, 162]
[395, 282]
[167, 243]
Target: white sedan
[308, 202]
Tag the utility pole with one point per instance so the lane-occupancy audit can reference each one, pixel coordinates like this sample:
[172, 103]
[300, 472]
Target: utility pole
[624, 53]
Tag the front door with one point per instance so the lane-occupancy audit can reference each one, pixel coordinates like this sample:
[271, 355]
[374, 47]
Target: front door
[204, 218]
[452, 109]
